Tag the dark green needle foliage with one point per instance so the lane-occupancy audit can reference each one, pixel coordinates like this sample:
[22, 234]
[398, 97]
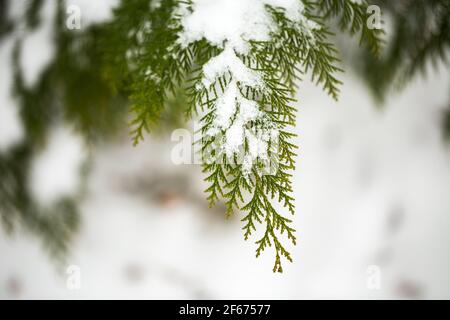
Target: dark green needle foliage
[137, 54]
[420, 35]
[419, 40]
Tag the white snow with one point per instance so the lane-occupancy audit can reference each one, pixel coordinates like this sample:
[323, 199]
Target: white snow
[231, 21]
[233, 121]
[231, 25]
[234, 22]
[226, 107]
[248, 111]
[38, 48]
[56, 171]
[227, 61]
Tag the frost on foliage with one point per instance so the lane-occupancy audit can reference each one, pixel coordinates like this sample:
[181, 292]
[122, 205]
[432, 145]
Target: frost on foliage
[232, 26]
[234, 22]
[233, 111]
[227, 61]
[247, 105]
[238, 63]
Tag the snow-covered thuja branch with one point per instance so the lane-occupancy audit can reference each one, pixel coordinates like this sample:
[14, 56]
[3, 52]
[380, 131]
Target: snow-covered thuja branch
[240, 61]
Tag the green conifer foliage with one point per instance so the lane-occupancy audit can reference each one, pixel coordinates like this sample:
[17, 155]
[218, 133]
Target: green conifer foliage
[158, 65]
[420, 34]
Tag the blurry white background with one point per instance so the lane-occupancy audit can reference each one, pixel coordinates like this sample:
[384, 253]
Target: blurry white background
[371, 186]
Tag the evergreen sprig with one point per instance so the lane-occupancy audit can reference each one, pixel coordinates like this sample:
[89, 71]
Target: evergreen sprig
[419, 37]
[138, 54]
[296, 48]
